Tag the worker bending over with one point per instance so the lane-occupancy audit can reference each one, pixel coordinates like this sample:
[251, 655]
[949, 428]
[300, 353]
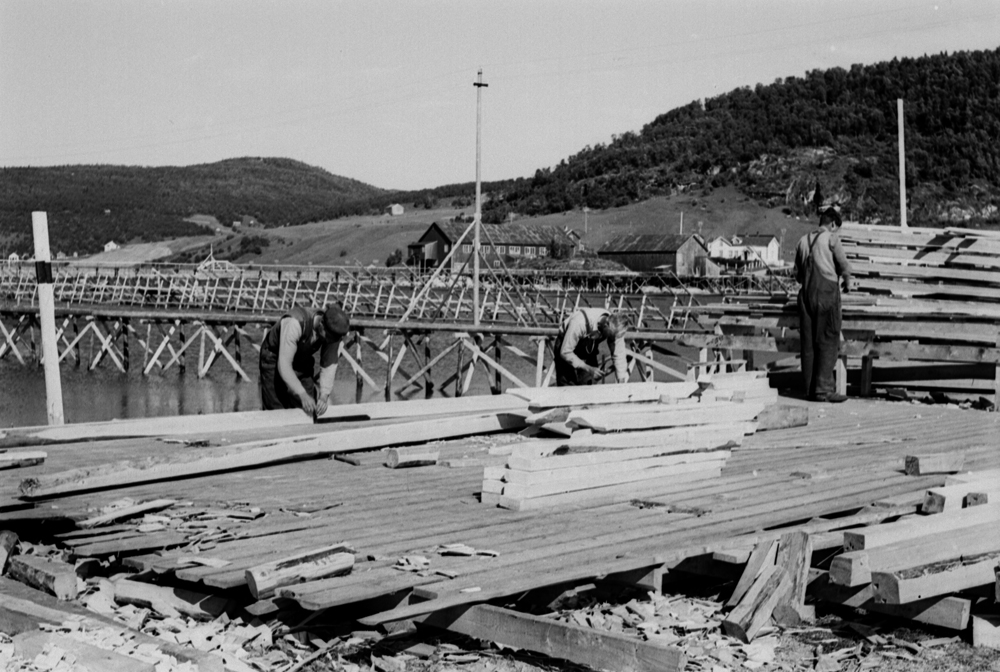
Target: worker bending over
[287, 358]
[819, 264]
[577, 344]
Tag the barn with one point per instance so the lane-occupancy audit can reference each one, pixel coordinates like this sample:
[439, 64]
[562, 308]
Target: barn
[502, 244]
[656, 252]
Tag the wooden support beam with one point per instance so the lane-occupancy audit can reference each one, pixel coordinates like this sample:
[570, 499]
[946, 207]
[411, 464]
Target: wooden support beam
[945, 612]
[934, 580]
[912, 526]
[934, 463]
[54, 577]
[955, 497]
[763, 556]
[794, 558]
[585, 646]
[857, 567]
[8, 546]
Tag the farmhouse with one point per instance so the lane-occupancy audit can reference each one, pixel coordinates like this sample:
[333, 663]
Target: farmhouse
[657, 252]
[500, 242]
[394, 210]
[110, 245]
[747, 253]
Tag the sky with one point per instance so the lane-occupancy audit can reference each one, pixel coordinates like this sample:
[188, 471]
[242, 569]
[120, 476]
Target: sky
[382, 90]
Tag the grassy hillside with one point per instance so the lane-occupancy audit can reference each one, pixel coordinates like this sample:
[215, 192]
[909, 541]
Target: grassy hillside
[90, 205]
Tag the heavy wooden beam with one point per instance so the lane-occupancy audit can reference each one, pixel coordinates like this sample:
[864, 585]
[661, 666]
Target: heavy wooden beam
[585, 646]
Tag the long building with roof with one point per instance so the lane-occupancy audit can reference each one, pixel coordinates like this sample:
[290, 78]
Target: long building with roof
[502, 244]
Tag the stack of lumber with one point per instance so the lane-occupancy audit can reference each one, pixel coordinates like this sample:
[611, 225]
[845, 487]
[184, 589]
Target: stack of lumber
[624, 440]
[931, 567]
[951, 263]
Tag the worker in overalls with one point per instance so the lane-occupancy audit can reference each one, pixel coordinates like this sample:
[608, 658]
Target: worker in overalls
[820, 263]
[287, 358]
[576, 346]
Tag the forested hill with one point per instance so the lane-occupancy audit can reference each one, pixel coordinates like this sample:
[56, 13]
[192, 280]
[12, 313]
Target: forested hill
[89, 205]
[835, 129]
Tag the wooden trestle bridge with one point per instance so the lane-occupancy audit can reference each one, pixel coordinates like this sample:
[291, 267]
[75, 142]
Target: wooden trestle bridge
[176, 316]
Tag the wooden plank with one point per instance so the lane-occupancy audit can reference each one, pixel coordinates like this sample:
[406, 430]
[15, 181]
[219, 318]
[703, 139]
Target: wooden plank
[609, 494]
[310, 447]
[918, 583]
[856, 567]
[584, 472]
[125, 512]
[8, 545]
[794, 558]
[333, 560]
[167, 426]
[934, 463]
[755, 608]
[170, 601]
[584, 459]
[763, 556]
[24, 458]
[414, 456]
[889, 533]
[585, 646]
[707, 466]
[616, 393]
[416, 408]
[694, 436]
[665, 416]
[945, 612]
[54, 577]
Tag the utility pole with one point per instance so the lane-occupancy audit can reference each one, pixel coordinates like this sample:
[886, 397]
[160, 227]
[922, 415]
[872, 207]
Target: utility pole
[586, 228]
[902, 164]
[479, 197]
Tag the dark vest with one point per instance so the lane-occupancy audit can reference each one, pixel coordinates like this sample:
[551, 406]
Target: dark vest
[304, 316]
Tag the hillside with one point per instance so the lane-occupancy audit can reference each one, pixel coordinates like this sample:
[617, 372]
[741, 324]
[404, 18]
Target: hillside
[829, 136]
[90, 205]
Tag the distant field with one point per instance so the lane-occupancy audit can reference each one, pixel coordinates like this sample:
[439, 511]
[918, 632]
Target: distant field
[370, 240]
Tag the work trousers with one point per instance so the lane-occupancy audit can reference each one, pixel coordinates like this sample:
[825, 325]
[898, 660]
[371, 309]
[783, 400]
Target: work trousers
[274, 393]
[819, 324]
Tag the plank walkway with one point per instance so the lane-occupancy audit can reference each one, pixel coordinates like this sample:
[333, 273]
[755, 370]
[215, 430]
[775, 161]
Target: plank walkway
[853, 451]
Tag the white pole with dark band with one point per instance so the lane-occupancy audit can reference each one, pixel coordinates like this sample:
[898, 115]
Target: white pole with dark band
[47, 318]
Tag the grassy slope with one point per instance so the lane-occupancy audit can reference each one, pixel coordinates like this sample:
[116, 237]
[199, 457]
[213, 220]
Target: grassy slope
[368, 239]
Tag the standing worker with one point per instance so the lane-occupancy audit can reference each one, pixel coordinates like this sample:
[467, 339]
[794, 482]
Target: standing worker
[819, 264]
[287, 358]
[577, 344]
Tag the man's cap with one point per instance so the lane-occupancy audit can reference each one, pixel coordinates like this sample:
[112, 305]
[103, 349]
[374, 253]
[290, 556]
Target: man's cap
[830, 215]
[335, 321]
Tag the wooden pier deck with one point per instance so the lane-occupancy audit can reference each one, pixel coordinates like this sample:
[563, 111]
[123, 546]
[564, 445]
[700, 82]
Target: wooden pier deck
[845, 467]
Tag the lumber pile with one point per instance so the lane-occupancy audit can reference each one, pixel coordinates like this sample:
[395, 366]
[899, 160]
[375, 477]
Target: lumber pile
[928, 567]
[624, 440]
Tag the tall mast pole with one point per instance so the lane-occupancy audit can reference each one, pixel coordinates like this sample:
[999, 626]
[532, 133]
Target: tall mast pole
[479, 198]
[902, 163]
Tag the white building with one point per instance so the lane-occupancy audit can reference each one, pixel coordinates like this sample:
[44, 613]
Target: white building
[395, 210]
[110, 245]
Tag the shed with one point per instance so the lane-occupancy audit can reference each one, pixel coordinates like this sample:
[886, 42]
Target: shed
[110, 245]
[652, 252]
[395, 209]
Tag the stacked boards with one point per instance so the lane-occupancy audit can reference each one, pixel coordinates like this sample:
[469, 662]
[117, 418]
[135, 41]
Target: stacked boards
[926, 563]
[624, 441]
